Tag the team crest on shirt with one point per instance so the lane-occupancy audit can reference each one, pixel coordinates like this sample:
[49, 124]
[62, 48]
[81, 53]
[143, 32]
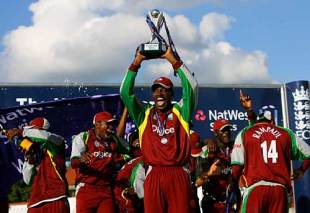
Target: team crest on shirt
[97, 144]
[170, 117]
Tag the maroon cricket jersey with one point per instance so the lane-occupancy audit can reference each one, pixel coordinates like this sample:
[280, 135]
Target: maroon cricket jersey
[50, 181]
[217, 185]
[125, 173]
[265, 151]
[122, 182]
[171, 148]
[165, 140]
[100, 170]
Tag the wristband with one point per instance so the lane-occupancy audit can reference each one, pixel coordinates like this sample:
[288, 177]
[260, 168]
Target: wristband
[134, 67]
[177, 65]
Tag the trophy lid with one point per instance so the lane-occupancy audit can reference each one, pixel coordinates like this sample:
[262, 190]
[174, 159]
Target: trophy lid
[157, 19]
[155, 13]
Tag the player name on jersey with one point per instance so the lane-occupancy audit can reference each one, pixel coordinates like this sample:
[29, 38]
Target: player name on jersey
[268, 129]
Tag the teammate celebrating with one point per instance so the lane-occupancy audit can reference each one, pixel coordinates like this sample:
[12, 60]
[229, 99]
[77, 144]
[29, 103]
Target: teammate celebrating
[129, 187]
[93, 156]
[164, 136]
[265, 151]
[217, 172]
[44, 166]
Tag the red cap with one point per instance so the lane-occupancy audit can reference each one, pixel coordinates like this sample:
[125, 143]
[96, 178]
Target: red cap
[103, 116]
[220, 124]
[39, 122]
[162, 81]
[195, 144]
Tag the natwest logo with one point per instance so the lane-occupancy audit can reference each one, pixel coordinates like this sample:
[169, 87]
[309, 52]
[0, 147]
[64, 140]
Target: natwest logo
[162, 132]
[200, 115]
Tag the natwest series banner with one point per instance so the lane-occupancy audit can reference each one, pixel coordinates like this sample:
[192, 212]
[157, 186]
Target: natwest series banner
[214, 102]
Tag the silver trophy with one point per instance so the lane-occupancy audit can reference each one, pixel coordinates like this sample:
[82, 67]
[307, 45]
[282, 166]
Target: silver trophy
[154, 49]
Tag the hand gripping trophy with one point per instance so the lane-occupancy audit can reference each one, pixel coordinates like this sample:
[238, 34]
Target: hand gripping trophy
[155, 49]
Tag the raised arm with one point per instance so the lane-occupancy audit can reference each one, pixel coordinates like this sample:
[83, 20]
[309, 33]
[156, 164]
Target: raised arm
[135, 107]
[121, 128]
[247, 105]
[53, 142]
[189, 84]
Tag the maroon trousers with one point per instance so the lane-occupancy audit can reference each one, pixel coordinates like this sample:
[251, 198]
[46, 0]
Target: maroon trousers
[57, 206]
[167, 189]
[92, 199]
[272, 199]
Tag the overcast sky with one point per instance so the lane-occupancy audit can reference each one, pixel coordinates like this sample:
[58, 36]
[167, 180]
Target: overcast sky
[93, 41]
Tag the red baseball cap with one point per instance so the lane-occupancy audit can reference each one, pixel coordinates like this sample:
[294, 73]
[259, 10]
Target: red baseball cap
[103, 116]
[162, 81]
[195, 144]
[220, 124]
[39, 122]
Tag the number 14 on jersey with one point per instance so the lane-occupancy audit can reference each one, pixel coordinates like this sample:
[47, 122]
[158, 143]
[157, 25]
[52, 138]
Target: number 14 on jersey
[269, 152]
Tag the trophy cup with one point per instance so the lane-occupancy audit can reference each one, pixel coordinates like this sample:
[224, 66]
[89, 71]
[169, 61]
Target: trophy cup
[154, 49]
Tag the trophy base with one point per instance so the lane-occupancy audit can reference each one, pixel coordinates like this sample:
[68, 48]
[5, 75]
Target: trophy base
[152, 50]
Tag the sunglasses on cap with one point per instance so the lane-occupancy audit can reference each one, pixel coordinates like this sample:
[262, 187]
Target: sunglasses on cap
[104, 123]
[226, 129]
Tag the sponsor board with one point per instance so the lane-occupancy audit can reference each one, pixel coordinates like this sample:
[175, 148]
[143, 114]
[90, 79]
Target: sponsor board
[298, 103]
[214, 102]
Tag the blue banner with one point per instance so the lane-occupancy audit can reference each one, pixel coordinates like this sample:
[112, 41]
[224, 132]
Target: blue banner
[298, 103]
[70, 116]
[67, 118]
[214, 102]
[11, 164]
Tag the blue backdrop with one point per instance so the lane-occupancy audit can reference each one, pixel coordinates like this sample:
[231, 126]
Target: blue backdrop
[214, 102]
[68, 117]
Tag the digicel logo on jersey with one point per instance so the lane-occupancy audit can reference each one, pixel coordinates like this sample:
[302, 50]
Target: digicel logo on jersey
[164, 132]
[101, 155]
